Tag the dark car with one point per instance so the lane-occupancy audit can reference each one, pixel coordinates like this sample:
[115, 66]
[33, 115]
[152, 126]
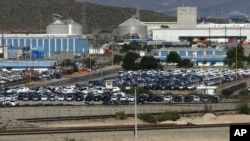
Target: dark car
[178, 98]
[188, 99]
[35, 97]
[26, 97]
[97, 97]
[106, 98]
[79, 97]
[89, 97]
[159, 98]
[20, 97]
[151, 98]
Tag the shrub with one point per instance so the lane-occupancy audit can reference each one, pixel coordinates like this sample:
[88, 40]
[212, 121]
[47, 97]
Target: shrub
[244, 109]
[243, 92]
[69, 139]
[147, 118]
[120, 115]
[168, 115]
[226, 93]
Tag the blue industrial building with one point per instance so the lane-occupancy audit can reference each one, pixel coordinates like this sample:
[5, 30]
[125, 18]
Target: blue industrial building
[196, 55]
[62, 36]
[41, 46]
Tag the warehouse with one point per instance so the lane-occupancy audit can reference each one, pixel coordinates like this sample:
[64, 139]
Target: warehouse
[62, 37]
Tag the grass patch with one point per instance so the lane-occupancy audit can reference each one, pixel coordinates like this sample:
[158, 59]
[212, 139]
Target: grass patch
[168, 115]
[120, 115]
[149, 118]
[244, 108]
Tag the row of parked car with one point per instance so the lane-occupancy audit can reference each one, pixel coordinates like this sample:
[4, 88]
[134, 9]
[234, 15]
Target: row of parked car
[172, 79]
[106, 98]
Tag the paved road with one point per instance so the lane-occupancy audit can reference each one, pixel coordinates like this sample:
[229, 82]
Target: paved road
[73, 79]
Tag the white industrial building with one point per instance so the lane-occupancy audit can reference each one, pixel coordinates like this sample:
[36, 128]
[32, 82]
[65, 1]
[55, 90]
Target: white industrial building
[214, 34]
[187, 27]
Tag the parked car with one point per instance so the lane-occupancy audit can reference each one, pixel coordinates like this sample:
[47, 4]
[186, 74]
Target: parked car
[61, 97]
[35, 97]
[70, 97]
[196, 98]
[11, 103]
[79, 97]
[52, 97]
[2, 97]
[168, 98]
[178, 98]
[44, 98]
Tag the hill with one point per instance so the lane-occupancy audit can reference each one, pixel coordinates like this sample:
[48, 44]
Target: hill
[205, 8]
[35, 15]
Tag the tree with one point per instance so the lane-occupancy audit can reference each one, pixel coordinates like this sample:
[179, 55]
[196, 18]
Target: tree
[129, 61]
[231, 56]
[173, 57]
[185, 63]
[117, 59]
[66, 62]
[131, 47]
[164, 26]
[149, 62]
[89, 62]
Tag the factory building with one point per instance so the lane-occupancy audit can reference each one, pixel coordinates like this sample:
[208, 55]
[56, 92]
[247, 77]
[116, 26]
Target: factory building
[186, 17]
[212, 39]
[133, 28]
[216, 56]
[62, 37]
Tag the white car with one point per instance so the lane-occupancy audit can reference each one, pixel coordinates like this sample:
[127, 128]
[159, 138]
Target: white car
[115, 89]
[44, 98]
[123, 98]
[2, 82]
[23, 90]
[196, 98]
[61, 98]
[168, 98]
[9, 97]
[114, 98]
[131, 98]
[12, 90]
[11, 102]
[2, 97]
[67, 90]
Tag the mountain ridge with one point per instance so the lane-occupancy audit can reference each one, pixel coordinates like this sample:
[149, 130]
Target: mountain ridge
[32, 16]
[205, 8]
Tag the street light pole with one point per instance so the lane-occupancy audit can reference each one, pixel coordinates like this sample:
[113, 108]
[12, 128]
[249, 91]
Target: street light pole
[135, 132]
[2, 41]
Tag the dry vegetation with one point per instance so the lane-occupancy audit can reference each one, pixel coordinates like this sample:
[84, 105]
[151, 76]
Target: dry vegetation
[35, 15]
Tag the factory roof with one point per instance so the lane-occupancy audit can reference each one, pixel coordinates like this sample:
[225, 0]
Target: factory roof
[27, 64]
[132, 22]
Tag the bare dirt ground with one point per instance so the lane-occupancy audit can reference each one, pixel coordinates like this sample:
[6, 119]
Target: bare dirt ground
[205, 134]
[208, 118]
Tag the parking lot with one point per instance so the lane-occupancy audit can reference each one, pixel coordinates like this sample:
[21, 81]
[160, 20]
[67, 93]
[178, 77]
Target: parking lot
[96, 91]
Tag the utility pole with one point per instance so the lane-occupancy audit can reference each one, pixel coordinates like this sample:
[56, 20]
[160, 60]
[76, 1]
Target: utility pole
[135, 132]
[2, 40]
